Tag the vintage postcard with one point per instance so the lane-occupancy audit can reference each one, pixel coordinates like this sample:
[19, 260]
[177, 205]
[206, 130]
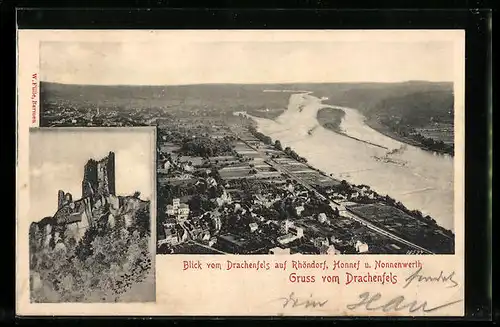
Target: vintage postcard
[241, 173]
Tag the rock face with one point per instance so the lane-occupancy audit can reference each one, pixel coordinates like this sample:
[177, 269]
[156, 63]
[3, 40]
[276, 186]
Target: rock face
[73, 218]
[73, 252]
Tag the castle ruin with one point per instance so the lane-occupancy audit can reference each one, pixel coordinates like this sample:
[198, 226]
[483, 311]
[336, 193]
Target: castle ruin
[99, 177]
[98, 189]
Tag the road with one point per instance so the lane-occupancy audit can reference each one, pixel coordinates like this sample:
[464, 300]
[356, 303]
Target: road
[334, 204]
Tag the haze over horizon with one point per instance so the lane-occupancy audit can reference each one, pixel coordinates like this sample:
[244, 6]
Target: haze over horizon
[270, 84]
[250, 62]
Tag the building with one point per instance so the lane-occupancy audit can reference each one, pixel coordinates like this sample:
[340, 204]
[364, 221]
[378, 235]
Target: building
[232, 243]
[211, 182]
[299, 210]
[329, 250]
[171, 237]
[285, 239]
[225, 198]
[170, 210]
[285, 225]
[279, 251]
[212, 241]
[253, 227]
[63, 198]
[183, 211]
[334, 240]
[361, 247]
[205, 236]
[322, 217]
[320, 242]
[216, 221]
[76, 217]
[169, 223]
[178, 209]
[297, 231]
[354, 195]
[188, 167]
[166, 165]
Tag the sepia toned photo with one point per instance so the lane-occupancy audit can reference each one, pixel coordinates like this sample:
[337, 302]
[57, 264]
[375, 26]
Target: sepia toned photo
[90, 235]
[355, 156]
[241, 172]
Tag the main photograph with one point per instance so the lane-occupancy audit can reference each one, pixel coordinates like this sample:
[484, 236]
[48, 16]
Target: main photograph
[277, 147]
[90, 231]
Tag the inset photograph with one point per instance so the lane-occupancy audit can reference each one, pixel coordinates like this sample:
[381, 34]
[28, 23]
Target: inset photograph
[90, 238]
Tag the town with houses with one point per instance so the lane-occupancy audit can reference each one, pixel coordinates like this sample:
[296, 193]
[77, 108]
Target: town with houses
[225, 188]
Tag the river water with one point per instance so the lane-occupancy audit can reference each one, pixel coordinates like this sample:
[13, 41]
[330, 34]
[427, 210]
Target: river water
[419, 179]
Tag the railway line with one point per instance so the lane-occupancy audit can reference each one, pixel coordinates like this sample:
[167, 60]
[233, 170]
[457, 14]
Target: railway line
[341, 208]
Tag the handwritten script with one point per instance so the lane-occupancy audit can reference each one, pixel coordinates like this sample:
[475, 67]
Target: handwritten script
[374, 303]
[418, 276]
[292, 301]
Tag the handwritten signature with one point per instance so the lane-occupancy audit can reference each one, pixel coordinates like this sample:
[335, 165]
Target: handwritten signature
[394, 304]
[417, 276]
[293, 302]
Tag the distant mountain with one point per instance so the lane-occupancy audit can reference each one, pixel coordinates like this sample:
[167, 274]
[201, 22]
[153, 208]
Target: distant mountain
[416, 109]
[225, 97]
[229, 97]
[366, 97]
[412, 100]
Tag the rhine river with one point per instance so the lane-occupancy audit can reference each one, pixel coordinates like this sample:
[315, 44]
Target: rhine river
[419, 179]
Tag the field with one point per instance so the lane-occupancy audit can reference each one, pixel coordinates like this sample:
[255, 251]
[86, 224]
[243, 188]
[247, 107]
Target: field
[229, 173]
[300, 168]
[439, 132]
[240, 146]
[169, 147]
[193, 248]
[405, 226]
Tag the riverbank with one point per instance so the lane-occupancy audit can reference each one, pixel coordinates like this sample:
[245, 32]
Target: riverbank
[267, 114]
[372, 203]
[342, 157]
[382, 129]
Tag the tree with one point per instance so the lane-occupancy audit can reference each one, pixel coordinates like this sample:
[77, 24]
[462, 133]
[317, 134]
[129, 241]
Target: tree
[143, 221]
[277, 145]
[137, 194]
[195, 203]
[84, 248]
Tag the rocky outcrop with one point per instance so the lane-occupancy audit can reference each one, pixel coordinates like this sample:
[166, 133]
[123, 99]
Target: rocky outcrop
[88, 245]
[107, 261]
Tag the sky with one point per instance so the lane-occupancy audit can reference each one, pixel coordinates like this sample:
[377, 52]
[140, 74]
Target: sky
[148, 62]
[58, 157]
